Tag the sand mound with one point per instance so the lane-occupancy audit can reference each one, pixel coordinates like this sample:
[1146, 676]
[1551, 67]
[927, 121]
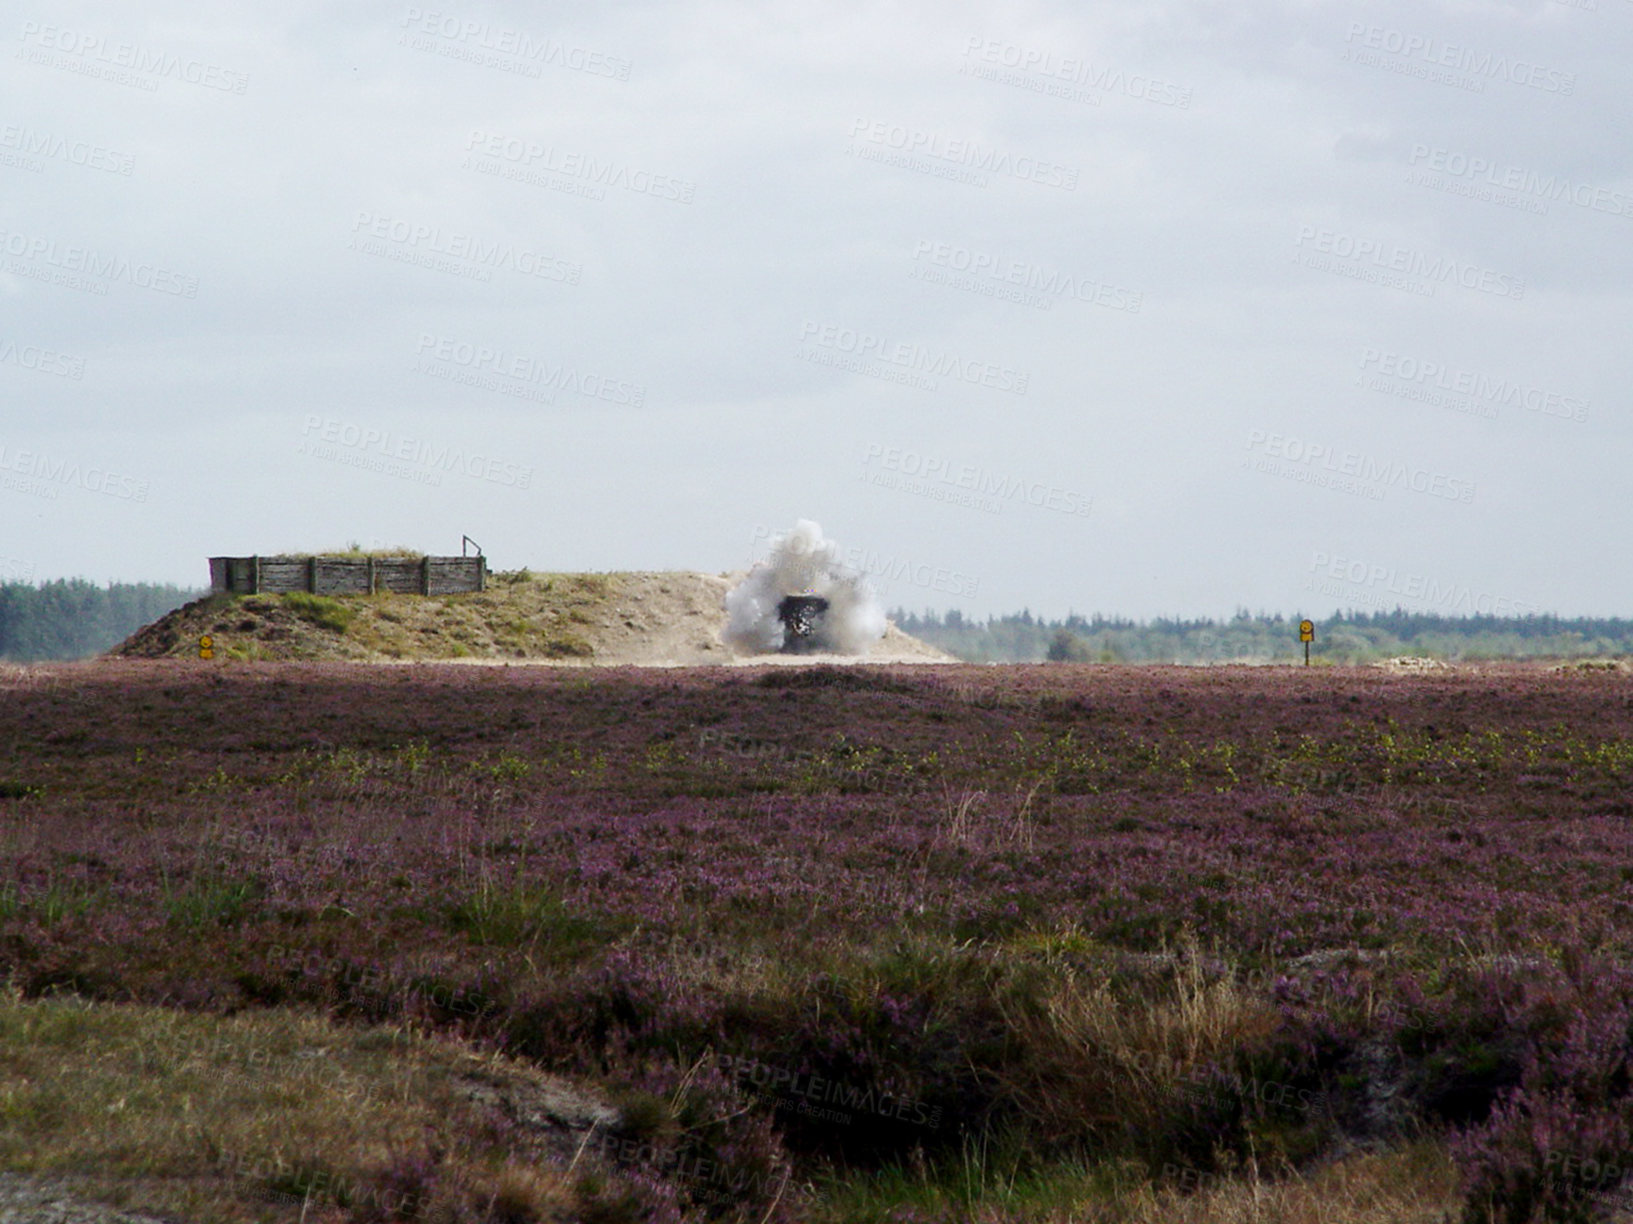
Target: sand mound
[670, 619]
[1410, 663]
[1595, 665]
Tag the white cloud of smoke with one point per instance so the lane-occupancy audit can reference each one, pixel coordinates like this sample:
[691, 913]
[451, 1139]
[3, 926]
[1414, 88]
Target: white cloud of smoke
[801, 562]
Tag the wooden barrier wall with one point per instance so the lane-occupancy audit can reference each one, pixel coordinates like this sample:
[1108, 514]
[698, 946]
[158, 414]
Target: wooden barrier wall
[349, 575]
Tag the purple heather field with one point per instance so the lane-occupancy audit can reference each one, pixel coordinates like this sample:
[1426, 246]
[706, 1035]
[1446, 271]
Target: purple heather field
[862, 885]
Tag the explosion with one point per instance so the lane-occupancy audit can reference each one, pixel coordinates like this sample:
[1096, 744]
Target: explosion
[803, 599]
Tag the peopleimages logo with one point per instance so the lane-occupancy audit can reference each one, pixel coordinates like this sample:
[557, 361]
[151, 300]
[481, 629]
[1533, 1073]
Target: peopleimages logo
[883, 568]
[964, 153]
[1423, 54]
[997, 275]
[40, 473]
[431, 246]
[494, 369]
[1371, 259]
[912, 359]
[1331, 574]
[32, 143]
[1437, 383]
[782, 1082]
[996, 53]
[532, 161]
[512, 50]
[42, 360]
[379, 450]
[61, 48]
[931, 470]
[1478, 177]
[77, 267]
[1318, 463]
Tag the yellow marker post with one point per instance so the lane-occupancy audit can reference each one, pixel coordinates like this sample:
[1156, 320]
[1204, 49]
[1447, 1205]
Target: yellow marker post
[206, 647]
[1306, 634]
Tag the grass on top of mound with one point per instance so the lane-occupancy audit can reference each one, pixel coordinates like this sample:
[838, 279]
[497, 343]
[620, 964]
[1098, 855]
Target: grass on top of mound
[521, 615]
[354, 549]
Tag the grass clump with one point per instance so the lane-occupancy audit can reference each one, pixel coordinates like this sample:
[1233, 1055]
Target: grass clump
[1141, 1070]
[213, 900]
[567, 646]
[62, 900]
[1416, 1183]
[320, 610]
[520, 915]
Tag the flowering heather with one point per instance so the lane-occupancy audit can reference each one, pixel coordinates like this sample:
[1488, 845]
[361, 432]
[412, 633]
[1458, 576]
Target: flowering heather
[1266, 913]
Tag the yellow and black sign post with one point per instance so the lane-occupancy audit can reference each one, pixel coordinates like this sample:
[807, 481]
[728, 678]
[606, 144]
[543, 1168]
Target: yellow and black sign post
[206, 647]
[1306, 634]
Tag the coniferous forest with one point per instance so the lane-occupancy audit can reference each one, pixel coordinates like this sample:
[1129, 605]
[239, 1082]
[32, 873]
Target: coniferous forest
[73, 618]
[1352, 637]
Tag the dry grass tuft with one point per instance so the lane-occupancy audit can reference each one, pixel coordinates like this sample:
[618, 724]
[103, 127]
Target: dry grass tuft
[1412, 1185]
[527, 1195]
[956, 823]
[1105, 1060]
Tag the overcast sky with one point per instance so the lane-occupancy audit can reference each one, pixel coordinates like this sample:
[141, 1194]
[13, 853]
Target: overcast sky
[1146, 308]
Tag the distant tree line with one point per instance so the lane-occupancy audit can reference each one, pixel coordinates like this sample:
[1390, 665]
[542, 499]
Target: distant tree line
[73, 618]
[1351, 637]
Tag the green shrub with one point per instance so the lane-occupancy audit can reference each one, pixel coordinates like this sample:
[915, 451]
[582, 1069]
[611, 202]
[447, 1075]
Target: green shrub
[1068, 647]
[320, 610]
[211, 900]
